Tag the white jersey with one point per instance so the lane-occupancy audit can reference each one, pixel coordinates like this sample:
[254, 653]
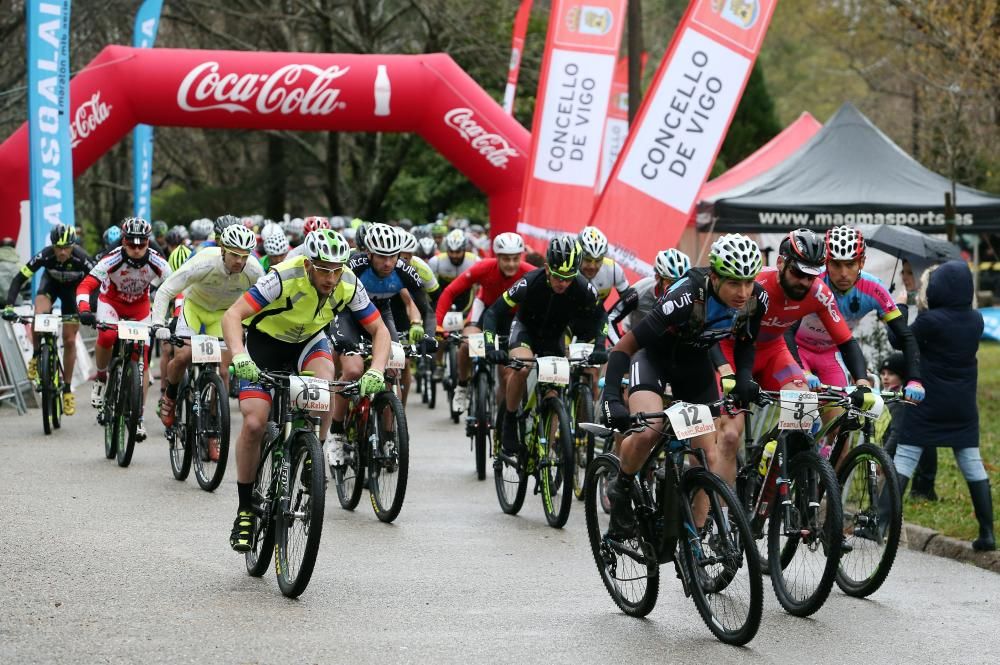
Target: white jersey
[298, 250]
[121, 280]
[205, 282]
[645, 288]
[609, 276]
[445, 270]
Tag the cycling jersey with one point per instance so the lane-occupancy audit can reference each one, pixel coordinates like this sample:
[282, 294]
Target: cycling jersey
[609, 275]
[428, 279]
[382, 289]
[60, 279]
[630, 312]
[205, 282]
[123, 280]
[782, 311]
[492, 283]
[867, 295]
[447, 272]
[288, 308]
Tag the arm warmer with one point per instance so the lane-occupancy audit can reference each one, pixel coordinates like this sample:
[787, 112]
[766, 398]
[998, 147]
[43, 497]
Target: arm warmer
[854, 359]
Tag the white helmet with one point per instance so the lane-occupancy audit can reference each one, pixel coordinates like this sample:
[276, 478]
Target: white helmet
[428, 246]
[327, 245]
[201, 229]
[275, 244]
[508, 243]
[237, 236]
[383, 239]
[844, 244]
[672, 263]
[409, 245]
[593, 242]
[735, 256]
[455, 241]
[338, 222]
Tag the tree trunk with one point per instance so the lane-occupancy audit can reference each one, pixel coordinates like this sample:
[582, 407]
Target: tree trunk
[275, 205]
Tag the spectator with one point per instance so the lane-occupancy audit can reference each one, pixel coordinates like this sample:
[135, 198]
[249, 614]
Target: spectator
[948, 333]
[893, 376]
[10, 265]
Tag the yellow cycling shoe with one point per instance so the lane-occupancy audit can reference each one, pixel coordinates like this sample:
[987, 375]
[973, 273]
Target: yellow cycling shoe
[33, 369]
[69, 404]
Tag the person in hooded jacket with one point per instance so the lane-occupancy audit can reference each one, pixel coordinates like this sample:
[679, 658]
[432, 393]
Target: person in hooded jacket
[948, 333]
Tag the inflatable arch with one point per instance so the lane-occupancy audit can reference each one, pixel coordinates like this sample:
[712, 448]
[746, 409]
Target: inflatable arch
[426, 94]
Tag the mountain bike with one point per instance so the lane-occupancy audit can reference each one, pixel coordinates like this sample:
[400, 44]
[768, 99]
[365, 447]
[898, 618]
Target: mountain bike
[50, 369]
[787, 485]
[580, 400]
[289, 490]
[546, 437]
[377, 449]
[201, 415]
[122, 409]
[450, 379]
[716, 562]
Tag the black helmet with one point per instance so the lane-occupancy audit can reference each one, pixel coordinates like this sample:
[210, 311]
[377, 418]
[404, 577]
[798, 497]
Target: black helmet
[806, 249]
[222, 221]
[63, 235]
[563, 256]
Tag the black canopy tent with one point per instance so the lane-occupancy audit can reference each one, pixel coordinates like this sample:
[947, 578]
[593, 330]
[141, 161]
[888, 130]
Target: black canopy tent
[849, 173]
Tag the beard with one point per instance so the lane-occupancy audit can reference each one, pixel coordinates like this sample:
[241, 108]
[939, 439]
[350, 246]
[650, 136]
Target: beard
[795, 292]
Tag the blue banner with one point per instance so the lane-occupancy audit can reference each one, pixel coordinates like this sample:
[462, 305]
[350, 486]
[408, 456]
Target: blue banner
[147, 20]
[48, 119]
[991, 323]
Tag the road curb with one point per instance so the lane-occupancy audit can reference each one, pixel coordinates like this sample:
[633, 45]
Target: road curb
[922, 539]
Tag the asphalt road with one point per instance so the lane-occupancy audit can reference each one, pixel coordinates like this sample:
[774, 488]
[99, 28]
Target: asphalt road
[108, 565]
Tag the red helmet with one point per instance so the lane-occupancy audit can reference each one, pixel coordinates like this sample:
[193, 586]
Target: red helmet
[313, 223]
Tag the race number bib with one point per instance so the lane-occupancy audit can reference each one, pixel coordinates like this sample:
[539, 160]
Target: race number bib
[799, 409]
[205, 349]
[554, 370]
[580, 350]
[453, 321]
[690, 420]
[309, 393]
[133, 330]
[397, 357]
[46, 323]
[477, 345]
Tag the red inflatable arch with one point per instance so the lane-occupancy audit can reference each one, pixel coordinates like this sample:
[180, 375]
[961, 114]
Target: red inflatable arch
[426, 94]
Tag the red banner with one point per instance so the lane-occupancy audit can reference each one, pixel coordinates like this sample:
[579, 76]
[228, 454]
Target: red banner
[616, 126]
[581, 49]
[680, 127]
[516, 50]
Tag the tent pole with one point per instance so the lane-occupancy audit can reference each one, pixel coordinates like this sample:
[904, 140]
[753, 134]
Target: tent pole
[708, 240]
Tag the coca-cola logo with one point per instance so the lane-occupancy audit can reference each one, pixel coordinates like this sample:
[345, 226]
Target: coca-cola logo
[493, 147]
[89, 115]
[292, 89]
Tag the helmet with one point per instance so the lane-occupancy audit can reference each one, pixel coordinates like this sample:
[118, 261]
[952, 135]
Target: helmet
[178, 257]
[249, 222]
[113, 235]
[313, 223]
[735, 256]
[806, 249]
[174, 237]
[563, 255]
[593, 242]
[406, 223]
[275, 244]
[350, 233]
[181, 231]
[136, 229]
[200, 228]
[337, 223]
[671, 264]
[844, 244]
[455, 241]
[508, 243]
[439, 229]
[222, 222]
[383, 239]
[238, 237]
[327, 245]
[359, 237]
[63, 235]
[160, 228]
[428, 246]
[409, 242]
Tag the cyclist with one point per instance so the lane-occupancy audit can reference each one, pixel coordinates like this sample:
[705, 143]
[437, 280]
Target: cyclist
[447, 265]
[672, 345]
[286, 313]
[200, 230]
[670, 265]
[548, 300]
[211, 282]
[601, 270]
[401, 302]
[124, 277]
[793, 292]
[160, 230]
[494, 276]
[65, 264]
[309, 225]
[276, 246]
[112, 238]
[427, 248]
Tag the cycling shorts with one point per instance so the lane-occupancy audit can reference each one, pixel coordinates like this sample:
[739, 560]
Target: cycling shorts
[827, 365]
[540, 346]
[196, 320]
[111, 312]
[61, 291]
[773, 364]
[272, 354]
[689, 373]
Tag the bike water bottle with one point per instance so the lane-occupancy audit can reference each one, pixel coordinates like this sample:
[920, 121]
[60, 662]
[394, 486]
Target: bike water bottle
[765, 459]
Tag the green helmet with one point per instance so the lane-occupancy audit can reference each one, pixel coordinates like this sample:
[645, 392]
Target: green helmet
[327, 245]
[178, 257]
[735, 256]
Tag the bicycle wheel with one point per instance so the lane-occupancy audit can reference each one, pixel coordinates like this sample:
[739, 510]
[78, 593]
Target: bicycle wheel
[299, 523]
[723, 571]
[45, 382]
[804, 541]
[511, 480]
[582, 411]
[129, 411]
[390, 462]
[350, 479]
[109, 417]
[631, 579]
[179, 439]
[55, 371]
[484, 421]
[749, 483]
[259, 556]
[431, 383]
[213, 423]
[556, 463]
[453, 380]
[873, 519]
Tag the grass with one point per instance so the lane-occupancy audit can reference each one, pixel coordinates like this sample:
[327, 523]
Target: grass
[952, 514]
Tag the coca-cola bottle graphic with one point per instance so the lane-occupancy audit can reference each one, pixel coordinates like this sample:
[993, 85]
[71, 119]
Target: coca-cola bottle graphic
[383, 90]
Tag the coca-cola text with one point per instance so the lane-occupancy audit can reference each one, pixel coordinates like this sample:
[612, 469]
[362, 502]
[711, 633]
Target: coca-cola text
[494, 147]
[88, 116]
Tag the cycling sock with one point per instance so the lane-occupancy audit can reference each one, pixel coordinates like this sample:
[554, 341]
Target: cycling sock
[172, 390]
[67, 388]
[464, 384]
[245, 491]
[336, 427]
[102, 375]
